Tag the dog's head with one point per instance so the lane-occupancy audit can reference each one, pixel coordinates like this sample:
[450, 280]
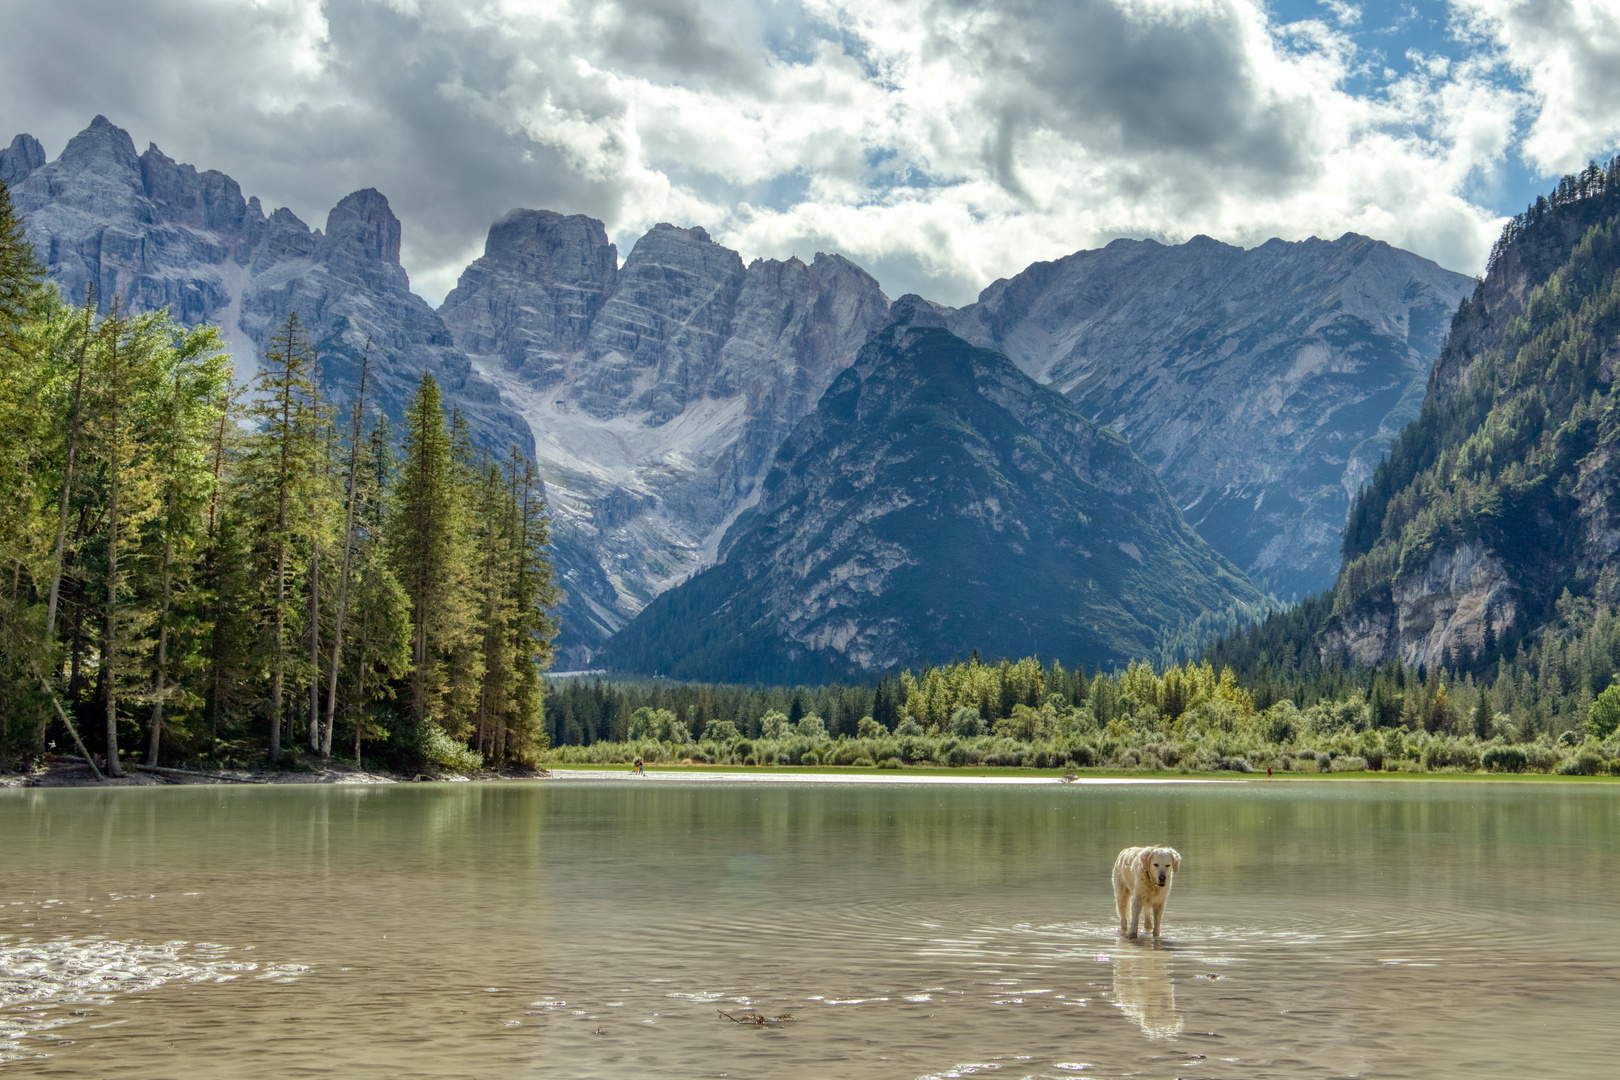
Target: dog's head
[1159, 864]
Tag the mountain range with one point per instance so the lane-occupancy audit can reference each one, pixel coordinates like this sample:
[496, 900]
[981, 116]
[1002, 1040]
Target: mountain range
[937, 496]
[1262, 385]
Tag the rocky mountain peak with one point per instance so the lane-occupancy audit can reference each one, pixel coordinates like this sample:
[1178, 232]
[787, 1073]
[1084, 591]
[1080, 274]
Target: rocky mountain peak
[103, 144]
[1263, 384]
[209, 200]
[22, 157]
[546, 245]
[362, 227]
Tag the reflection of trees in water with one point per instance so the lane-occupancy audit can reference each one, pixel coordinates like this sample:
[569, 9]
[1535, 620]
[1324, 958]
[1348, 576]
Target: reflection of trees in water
[1143, 989]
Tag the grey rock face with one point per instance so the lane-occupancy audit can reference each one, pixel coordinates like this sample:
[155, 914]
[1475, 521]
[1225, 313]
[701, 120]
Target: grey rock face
[938, 501]
[22, 157]
[156, 233]
[1263, 385]
[657, 391]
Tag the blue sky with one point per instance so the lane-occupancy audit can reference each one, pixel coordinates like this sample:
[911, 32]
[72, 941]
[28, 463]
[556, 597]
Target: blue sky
[939, 143]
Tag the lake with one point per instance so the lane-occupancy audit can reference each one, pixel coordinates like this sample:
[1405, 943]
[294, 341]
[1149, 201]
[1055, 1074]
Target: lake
[601, 928]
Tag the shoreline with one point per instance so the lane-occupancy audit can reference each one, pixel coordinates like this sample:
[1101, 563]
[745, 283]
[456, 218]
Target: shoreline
[63, 773]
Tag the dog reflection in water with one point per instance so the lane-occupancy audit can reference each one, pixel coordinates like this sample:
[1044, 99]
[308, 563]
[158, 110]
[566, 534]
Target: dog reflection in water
[1143, 990]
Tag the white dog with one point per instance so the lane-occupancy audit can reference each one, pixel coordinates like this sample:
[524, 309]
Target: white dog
[1142, 878]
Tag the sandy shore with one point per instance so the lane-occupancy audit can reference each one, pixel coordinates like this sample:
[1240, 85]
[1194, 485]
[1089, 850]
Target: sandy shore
[764, 776]
[73, 773]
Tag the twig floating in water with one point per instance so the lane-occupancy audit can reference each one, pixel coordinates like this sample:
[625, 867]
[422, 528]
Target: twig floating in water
[757, 1019]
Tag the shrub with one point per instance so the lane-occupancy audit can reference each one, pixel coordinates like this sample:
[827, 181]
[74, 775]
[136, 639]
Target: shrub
[889, 763]
[1585, 763]
[845, 753]
[908, 726]
[956, 757]
[863, 762]
[1511, 759]
[1237, 764]
[1443, 753]
[869, 728]
[812, 727]
[1540, 758]
[1349, 763]
[446, 752]
[810, 757]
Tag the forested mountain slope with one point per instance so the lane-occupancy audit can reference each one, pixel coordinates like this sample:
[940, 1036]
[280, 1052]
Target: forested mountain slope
[937, 501]
[1496, 518]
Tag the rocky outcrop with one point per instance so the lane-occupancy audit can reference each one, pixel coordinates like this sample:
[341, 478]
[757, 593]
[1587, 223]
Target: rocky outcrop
[1263, 385]
[658, 391]
[22, 157]
[156, 233]
[936, 502]
[1448, 611]
[1497, 518]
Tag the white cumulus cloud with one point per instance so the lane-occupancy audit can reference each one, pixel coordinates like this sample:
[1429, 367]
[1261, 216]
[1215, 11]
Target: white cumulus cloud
[940, 143]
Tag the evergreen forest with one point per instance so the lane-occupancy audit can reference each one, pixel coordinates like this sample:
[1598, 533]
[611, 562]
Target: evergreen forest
[200, 575]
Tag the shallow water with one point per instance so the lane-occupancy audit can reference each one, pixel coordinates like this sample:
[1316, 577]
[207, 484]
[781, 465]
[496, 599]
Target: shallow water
[600, 928]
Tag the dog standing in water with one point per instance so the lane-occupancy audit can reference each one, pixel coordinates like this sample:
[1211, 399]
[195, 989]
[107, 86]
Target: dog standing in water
[1142, 879]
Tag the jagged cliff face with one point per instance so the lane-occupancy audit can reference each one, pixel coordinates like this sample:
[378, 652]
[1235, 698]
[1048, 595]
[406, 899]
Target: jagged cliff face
[938, 501]
[156, 233]
[1505, 494]
[1263, 385]
[657, 391]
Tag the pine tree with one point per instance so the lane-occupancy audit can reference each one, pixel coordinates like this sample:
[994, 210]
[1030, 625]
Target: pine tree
[193, 382]
[277, 477]
[351, 505]
[428, 554]
[378, 647]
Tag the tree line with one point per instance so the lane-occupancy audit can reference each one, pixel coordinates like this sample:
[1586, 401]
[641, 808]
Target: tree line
[202, 574]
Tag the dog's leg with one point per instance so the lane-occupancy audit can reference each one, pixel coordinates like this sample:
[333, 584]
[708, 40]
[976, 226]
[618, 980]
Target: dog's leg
[1121, 901]
[1158, 917]
[1136, 914]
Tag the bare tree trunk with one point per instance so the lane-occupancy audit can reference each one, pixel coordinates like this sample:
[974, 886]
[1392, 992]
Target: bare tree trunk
[67, 721]
[348, 549]
[315, 645]
[159, 683]
[67, 473]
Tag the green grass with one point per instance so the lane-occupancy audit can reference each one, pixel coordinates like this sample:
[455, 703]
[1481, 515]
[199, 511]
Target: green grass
[1099, 774]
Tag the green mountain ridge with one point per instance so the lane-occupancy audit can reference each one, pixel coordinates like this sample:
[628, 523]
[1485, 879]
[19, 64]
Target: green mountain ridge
[1495, 520]
[938, 501]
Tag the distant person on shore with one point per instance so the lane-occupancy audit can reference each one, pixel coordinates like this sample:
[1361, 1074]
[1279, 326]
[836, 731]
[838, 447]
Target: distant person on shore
[640, 769]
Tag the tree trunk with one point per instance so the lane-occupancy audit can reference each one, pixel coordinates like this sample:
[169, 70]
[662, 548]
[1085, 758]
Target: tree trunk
[315, 646]
[158, 683]
[67, 472]
[109, 649]
[348, 549]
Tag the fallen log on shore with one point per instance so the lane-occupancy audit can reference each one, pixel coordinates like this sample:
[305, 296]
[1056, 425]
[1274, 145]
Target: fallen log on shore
[162, 770]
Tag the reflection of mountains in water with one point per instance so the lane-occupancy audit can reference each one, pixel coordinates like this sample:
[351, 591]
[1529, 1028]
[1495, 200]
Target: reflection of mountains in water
[1145, 992]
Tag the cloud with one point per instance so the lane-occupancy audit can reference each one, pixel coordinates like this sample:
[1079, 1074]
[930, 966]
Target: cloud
[1568, 54]
[940, 143]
